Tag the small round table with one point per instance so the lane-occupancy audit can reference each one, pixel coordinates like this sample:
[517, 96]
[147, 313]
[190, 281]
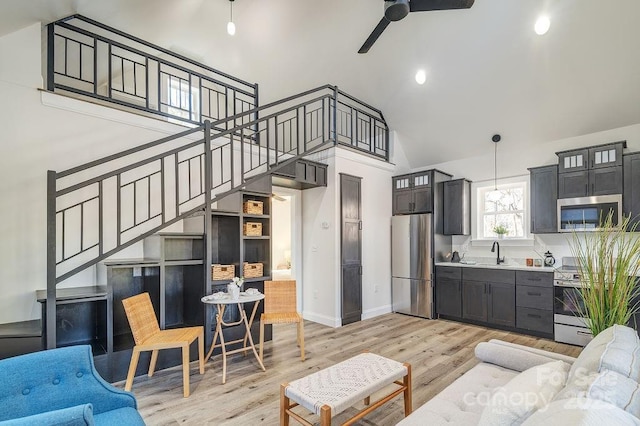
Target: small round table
[220, 304]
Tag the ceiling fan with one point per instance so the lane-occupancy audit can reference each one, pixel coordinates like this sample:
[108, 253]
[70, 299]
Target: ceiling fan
[395, 10]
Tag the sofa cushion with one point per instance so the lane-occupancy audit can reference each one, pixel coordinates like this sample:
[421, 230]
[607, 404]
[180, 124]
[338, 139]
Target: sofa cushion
[617, 348]
[79, 415]
[581, 412]
[462, 402]
[524, 394]
[607, 386]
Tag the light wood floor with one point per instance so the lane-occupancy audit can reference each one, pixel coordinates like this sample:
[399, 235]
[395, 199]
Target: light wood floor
[439, 352]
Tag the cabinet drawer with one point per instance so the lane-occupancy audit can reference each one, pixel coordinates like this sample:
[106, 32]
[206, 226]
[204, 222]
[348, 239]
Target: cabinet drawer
[535, 278]
[534, 297]
[489, 275]
[448, 272]
[535, 320]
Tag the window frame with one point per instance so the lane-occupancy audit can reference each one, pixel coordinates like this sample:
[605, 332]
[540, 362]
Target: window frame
[479, 213]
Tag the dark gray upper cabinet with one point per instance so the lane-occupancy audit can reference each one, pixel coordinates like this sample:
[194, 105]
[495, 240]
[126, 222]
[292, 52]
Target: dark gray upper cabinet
[457, 207]
[413, 193]
[544, 199]
[631, 194]
[596, 170]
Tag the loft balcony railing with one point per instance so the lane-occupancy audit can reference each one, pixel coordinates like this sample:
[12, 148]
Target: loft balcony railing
[91, 60]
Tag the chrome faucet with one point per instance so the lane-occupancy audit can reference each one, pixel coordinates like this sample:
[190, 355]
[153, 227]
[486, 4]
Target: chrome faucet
[493, 249]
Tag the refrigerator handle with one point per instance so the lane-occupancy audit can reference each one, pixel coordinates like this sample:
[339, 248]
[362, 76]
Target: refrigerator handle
[360, 225]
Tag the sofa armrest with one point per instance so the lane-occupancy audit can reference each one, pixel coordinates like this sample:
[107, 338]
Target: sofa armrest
[515, 357]
[79, 415]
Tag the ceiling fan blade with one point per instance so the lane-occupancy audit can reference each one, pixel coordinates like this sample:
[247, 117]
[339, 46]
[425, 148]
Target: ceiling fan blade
[384, 22]
[427, 5]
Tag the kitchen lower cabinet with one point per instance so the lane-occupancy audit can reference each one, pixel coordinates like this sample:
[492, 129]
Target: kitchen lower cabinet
[474, 300]
[501, 301]
[449, 297]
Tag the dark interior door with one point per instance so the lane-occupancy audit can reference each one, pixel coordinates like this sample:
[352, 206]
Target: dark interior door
[351, 248]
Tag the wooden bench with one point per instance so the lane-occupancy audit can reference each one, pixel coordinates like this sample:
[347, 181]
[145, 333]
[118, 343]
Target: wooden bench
[330, 391]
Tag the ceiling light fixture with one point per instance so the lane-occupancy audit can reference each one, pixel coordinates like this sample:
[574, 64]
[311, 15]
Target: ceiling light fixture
[421, 77]
[231, 27]
[542, 25]
[495, 195]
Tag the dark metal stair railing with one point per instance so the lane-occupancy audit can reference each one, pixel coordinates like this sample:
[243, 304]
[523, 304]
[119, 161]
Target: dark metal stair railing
[99, 208]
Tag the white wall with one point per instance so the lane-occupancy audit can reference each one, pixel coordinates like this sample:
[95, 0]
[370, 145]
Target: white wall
[321, 245]
[514, 163]
[41, 131]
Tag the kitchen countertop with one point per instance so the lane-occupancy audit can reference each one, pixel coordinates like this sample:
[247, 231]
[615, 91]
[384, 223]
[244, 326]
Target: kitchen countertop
[512, 266]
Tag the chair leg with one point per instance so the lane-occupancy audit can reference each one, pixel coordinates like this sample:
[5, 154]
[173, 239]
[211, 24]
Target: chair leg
[154, 360]
[201, 351]
[301, 337]
[261, 340]
[135, 356]
[185, 369]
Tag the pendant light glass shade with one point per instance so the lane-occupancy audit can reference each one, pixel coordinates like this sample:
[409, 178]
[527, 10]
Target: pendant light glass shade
[231, 27]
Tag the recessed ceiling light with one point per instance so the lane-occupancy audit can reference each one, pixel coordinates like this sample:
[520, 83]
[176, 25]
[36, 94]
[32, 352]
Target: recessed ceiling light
[421, 77]
[542, 25]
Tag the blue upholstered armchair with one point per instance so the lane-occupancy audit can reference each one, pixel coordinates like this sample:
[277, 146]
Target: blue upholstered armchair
[61, 387]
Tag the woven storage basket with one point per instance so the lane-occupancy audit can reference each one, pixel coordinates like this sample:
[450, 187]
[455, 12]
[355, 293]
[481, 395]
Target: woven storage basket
[222, 272]
[252, 270]
[252, 229]
[253, 207]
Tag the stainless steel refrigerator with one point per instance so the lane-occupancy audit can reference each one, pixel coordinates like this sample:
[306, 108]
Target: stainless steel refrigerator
[415, 244]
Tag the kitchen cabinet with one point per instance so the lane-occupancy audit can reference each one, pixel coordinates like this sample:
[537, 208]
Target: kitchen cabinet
[457, 207]
[414, 193]
[544, 199]
[534, 302]
[631, 187]
[448, 291]
[596, 170]
[488, 296]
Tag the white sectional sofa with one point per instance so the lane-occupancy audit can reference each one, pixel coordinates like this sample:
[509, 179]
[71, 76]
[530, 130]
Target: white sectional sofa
[516, 384]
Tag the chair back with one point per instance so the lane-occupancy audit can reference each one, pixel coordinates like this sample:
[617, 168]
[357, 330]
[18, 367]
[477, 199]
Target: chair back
[279, 296]
[142, 318]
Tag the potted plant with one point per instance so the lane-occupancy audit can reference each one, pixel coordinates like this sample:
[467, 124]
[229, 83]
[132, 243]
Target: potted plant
[501, 231]
[608, 261]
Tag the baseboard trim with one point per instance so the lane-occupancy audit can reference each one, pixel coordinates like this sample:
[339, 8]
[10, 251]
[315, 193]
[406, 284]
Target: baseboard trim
[376, 312]
[322, 319]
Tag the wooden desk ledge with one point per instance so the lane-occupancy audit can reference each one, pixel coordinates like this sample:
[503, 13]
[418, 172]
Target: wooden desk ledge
[328, 392]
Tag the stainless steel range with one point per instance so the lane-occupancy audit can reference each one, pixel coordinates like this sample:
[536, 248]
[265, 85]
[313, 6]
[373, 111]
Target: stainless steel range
[569, 326]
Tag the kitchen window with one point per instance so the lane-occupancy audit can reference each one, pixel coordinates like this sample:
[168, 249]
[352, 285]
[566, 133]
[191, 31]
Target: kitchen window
[507, 211]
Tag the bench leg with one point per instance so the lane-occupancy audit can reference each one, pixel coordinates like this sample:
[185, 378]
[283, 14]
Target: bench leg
[284, 405]
[406, 381]
[325, 415]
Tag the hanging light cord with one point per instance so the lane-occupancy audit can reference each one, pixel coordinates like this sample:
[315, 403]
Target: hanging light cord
[231, 2]
[495, 166]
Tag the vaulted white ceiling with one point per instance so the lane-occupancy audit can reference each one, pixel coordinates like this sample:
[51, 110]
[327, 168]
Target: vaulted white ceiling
[487, 71]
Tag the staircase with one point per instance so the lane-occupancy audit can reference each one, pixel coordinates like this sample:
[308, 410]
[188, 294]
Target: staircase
[99, 208]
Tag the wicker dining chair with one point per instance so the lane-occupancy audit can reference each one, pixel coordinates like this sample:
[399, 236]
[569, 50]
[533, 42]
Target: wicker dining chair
[149, 337]
[280, 308]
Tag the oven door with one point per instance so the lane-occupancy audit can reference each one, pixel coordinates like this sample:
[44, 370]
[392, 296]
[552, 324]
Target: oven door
[568, 301]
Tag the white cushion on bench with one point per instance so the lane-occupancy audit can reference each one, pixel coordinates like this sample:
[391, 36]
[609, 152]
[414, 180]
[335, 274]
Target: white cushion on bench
[342, 385]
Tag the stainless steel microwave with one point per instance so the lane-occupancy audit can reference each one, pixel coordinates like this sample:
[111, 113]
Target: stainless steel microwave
[586, 213]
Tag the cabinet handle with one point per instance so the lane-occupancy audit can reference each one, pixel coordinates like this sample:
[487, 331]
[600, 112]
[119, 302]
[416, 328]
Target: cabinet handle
[586, 189]
[583, 333]
[529, 293]
[534, 316]
[360, 225]
[535, 279]
[593, 186]
[489, 288]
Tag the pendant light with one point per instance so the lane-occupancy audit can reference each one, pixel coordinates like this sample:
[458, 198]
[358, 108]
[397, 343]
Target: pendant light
[495, 195]
[231, 27]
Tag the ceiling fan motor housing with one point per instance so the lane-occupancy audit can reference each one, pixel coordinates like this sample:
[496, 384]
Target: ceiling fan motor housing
[396, 10]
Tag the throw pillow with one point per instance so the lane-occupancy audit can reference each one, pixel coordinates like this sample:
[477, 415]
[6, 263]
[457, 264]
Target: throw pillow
[617, 348]
[607, 386]
[524, 394]
[581, 412]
